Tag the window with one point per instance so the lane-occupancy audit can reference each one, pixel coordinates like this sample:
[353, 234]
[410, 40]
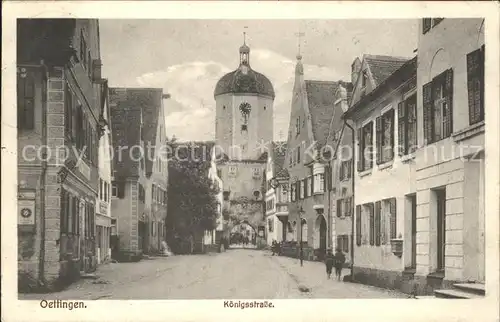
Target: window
[385, 137]
[339, 207]
[302, 188]
[343, 243]
[319, 183]
[475, 85]
[310, 186]
[297, 126]
[114, 190]
[256, 172]
[293, 191]
[429, 23]
[364, 78]
[298, 154]
[106, 191]
[358, 225]
[26, 102]
[142, 194]
[232, 171]
[365, 142]
[345, 170]
[270, 225]
[407, 125]
[437, 107]
[153, 193]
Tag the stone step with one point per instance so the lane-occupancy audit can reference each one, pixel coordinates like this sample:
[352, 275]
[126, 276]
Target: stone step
[425, 297]
[455, 294]
[475, 288]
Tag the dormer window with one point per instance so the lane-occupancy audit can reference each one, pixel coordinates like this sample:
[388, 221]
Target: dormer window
[429, 23]
[364, 78]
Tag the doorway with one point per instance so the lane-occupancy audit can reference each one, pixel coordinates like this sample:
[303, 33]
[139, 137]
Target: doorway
[441, 229]
[321, 227]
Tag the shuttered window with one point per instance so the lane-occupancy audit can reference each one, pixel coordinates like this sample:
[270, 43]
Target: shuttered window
[26, 102]
[377, 223]
[339, 207]
[385, 137]
[475, 85]
[392, 214]
[358, 225]
[438, 107]
[407, 125]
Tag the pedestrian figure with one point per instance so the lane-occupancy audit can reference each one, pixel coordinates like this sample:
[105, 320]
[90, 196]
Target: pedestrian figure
[329, 262]
[339, 262]
[273, 247]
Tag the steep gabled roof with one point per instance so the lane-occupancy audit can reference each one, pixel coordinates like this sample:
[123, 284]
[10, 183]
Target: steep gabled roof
[382, 66]
[128, 106]
[321, 96]
[406, 71]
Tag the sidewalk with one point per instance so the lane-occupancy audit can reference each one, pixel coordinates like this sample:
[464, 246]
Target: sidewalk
[313, 276]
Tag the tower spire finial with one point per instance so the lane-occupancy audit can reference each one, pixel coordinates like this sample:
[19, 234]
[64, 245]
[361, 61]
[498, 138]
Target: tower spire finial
[299, 37]
[245, 35]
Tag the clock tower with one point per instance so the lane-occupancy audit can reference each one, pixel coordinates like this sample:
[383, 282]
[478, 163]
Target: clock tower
[244, 128]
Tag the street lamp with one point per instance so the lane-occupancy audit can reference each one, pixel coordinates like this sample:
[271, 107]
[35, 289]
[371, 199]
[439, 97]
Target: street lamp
[301, 212]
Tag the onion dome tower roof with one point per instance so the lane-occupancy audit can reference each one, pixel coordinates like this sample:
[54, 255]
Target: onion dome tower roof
[244, 79]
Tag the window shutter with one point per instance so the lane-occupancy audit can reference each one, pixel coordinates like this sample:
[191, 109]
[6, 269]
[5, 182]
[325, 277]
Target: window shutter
[377, 223]
[64, 211]
[475, 81]
[392, 203]
[402, 149]
[358, 225]
[29, 103]
[448, 113]
[379, 138]
[428, 113]
[297, 188]
[339, 208]
[349, 169]
[341, 171]
[346, 243]
[360, 150]
[305, 188]
[370, 145]
[391, 116]
[372, 227]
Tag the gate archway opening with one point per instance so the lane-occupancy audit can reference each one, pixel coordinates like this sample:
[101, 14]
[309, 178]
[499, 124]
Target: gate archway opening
[243, 235]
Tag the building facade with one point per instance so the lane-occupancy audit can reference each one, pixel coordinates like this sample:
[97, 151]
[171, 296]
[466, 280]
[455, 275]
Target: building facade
[59, 90]
[311, 116]
[103, 219]
[139, 189]
[450, 176]
[341, 193]
[244, 126]
[385, 173]
[276, 193]
[212, 238]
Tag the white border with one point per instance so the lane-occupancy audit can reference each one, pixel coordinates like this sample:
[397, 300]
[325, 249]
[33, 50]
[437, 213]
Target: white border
[370, 310]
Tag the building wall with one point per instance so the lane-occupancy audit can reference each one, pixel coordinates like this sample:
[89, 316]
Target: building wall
[243, 183]
[443, 164]
[229, 121]
[398, 178]
[81, 180]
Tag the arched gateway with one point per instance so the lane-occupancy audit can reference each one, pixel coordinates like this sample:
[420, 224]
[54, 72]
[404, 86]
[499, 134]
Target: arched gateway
[243, 129]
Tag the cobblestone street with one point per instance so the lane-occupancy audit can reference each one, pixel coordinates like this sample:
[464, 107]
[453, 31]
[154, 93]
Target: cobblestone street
[235, 274]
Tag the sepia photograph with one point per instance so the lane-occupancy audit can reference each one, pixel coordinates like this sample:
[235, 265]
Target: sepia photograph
[251, 160]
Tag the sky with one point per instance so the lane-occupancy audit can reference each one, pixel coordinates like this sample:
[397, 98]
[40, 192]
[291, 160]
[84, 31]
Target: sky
[187, 57]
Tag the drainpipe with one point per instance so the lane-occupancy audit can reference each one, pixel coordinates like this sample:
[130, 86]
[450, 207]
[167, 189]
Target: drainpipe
[353, 209]
[41, 257]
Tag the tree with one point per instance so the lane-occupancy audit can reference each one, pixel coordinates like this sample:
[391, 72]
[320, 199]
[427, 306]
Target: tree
[192, 206]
